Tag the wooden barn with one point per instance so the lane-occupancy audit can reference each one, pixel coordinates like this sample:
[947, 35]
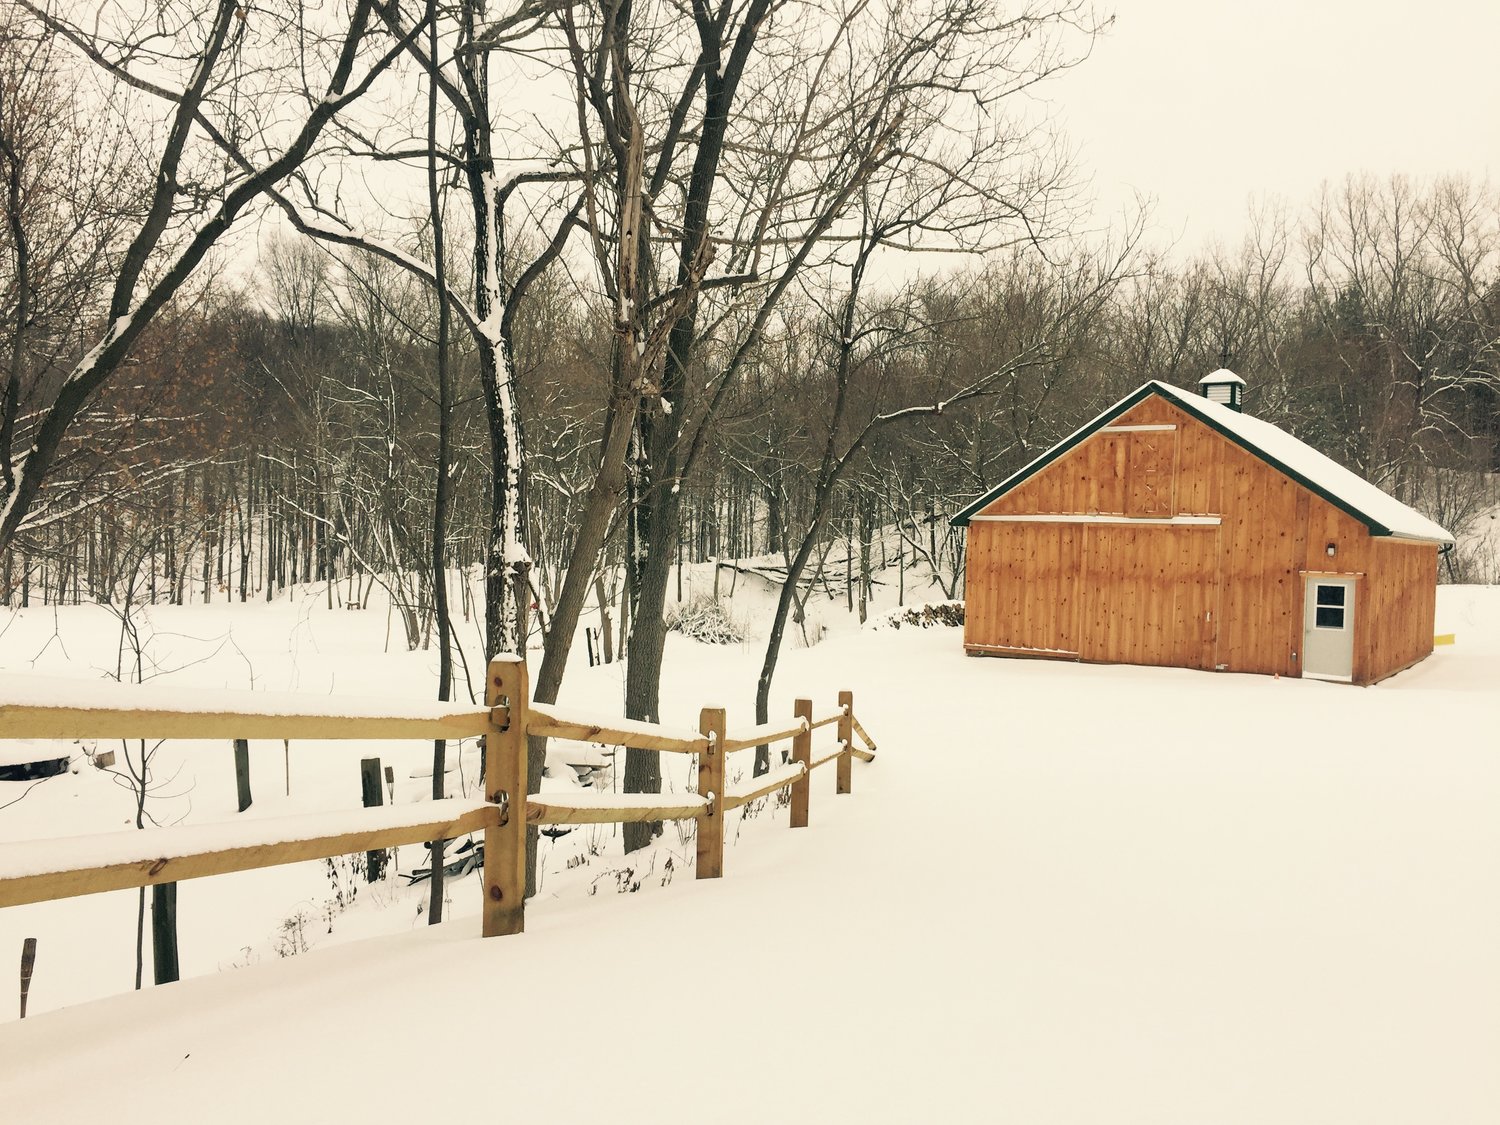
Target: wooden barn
[1175, 530]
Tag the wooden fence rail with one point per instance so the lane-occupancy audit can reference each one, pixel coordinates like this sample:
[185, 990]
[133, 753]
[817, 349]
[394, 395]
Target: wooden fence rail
[41, 870]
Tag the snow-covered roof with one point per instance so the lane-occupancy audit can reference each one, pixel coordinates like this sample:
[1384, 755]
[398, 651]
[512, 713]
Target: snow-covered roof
[1221, 376]
[1382, 514]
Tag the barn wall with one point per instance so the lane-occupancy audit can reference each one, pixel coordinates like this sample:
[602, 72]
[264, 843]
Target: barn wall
[1090, 478]
[1260, 590]
[1020, 586]
[1400, 607]
[1395, 597]
[1108, 473]
[1196, 597]
[1147, 595]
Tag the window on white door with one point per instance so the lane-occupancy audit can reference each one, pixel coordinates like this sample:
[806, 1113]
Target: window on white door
[1329, 612]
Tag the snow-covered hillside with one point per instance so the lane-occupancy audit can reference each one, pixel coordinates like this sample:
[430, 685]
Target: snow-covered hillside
[1061, 894]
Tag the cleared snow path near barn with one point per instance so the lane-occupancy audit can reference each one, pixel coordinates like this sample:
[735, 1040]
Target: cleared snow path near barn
[1062, 894]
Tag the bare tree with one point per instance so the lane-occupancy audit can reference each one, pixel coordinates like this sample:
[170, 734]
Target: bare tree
[915, 110]
[207, 69]
[1401, 285]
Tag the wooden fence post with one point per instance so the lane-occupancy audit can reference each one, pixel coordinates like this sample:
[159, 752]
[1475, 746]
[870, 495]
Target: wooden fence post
[711, 724]
[506, 685]
[373, 796]
[845, 765]
[802, 752]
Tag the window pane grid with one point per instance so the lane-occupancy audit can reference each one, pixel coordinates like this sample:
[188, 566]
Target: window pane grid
[1331, 595]
[1329, 606]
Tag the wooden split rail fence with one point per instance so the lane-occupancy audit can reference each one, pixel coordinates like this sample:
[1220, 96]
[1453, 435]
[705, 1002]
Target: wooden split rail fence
[37, 871]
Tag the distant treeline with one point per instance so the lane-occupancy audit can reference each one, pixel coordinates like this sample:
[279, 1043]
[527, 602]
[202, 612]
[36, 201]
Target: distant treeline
[285, 432]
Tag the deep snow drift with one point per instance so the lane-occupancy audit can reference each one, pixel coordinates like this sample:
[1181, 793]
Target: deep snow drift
[1061, 894]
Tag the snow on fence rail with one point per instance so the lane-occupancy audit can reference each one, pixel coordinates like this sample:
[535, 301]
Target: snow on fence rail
[46, 707]
[39, 870]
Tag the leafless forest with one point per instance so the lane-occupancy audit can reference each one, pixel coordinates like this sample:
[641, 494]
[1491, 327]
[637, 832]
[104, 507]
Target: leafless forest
[554, 298]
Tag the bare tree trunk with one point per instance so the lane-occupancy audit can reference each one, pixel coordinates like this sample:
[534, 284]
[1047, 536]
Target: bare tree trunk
[440, 501]
[866, 508]
[593, 528]
[606, 630]
[140, 938]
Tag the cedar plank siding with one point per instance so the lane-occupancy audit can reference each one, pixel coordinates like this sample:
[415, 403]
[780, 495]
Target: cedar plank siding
[1145, 593]
[1399, 591]
[1227, 596]
[1030, 603]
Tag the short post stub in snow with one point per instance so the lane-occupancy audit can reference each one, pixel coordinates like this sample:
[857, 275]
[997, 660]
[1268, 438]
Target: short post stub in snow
[845, 767]
[711, 724]
[506, 685]
[28, 962]
[373, 797]
[802, 752]
[242, 772]
[164, 961]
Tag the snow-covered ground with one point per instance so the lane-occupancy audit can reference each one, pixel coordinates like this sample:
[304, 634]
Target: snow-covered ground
[1062, 893]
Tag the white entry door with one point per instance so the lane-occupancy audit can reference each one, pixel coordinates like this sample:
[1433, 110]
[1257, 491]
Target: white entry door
[1328, 629]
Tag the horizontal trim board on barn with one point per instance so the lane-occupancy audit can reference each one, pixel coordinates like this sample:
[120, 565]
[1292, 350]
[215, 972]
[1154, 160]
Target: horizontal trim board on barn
[1010, 650]
[1383, 515]
[1132, 521]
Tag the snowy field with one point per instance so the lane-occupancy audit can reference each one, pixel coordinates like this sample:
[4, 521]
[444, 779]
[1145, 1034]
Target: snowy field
[1061, 894]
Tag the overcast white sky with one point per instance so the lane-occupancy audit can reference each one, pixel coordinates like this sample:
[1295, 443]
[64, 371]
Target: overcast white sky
[1204, 104]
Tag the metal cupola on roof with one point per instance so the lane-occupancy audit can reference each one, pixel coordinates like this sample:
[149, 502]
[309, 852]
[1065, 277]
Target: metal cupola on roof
[1223, 386]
